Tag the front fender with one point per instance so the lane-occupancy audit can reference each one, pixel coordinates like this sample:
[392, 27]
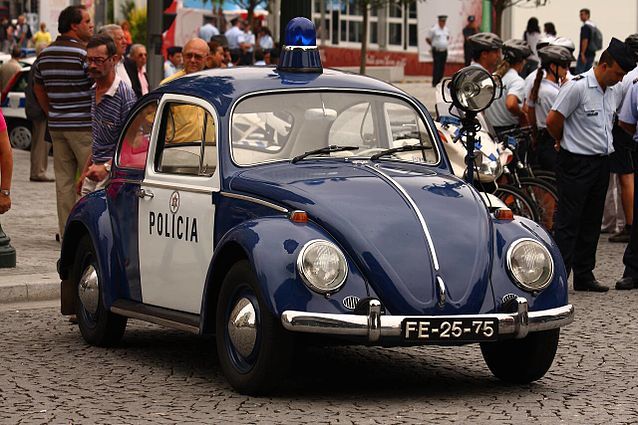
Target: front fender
[89, 216]
[507, 232]
[271, 245]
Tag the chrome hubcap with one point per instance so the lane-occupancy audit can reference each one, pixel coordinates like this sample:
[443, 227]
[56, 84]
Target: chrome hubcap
[21, 137]
[89, 290]
[242, 327]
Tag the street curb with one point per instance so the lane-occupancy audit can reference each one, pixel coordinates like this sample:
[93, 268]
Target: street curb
[32, 287]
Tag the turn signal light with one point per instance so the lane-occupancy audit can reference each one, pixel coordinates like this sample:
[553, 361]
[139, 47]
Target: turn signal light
[504, 214]
[298, 217]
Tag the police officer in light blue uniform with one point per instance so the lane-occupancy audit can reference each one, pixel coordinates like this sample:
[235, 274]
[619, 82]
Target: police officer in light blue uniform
[582, 119]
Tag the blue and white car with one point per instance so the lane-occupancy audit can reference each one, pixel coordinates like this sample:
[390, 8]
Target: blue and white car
[13, 107]
[265, 204]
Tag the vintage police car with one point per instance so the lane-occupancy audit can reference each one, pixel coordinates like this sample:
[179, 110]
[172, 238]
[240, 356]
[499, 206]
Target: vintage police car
[260, 204]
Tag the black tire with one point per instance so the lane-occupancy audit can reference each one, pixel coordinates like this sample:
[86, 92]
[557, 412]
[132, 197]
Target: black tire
[517, 201]
[545, 197]
[261, 370]
[521, 361]
[101, 327]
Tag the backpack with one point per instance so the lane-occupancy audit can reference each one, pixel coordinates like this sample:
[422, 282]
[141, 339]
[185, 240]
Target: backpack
[596, 40]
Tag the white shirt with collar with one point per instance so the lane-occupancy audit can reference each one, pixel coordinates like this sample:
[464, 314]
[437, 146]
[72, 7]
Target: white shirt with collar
[497, 114]
[589, 115]
[120, 71]
[439, 37]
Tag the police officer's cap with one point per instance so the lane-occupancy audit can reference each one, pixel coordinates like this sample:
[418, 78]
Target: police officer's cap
[622, 54]
[442, 17]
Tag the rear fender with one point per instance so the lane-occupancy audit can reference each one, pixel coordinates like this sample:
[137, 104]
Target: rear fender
[271, 245]
[89, 217]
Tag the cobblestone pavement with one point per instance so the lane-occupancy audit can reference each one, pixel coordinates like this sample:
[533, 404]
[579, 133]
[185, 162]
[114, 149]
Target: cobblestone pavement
[156, 376]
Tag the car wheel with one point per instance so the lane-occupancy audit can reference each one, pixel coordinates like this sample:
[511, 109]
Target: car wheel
[20, 135]
[98, 326]
[252, 346]
[522, 361]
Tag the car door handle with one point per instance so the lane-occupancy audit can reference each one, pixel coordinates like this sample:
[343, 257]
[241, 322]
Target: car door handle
[141, 193]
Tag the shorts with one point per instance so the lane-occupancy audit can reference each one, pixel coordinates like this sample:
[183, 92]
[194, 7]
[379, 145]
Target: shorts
[623, 159]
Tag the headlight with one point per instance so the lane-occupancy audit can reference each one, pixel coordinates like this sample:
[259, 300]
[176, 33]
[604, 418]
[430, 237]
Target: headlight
[530, 264]
[322, 266]
[490, 168]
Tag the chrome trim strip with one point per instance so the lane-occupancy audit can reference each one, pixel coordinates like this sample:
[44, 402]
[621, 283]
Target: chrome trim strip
[186, 187]
[517, 324]
[426, 231]
[255, 201]
[441, 287]
[155, 319]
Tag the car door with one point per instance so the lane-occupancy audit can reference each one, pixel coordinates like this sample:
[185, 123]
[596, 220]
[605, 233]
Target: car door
[176, 210]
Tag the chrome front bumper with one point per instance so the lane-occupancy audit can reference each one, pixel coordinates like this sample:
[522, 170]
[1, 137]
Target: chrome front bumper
[374, 325]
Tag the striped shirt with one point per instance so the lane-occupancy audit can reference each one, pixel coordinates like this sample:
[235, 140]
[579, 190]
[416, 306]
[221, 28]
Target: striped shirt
[61, 69]
[109, 117]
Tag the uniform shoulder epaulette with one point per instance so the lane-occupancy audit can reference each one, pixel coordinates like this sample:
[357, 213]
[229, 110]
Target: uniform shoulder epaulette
[578, 77]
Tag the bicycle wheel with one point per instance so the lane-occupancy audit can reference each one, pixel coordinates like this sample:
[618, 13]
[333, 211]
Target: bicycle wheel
[516, 200]
[545, 197]
[546, 176]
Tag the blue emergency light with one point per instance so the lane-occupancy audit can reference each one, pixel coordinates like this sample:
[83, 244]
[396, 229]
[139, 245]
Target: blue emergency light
[300, 52]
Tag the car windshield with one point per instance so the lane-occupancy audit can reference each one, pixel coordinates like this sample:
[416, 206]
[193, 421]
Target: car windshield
[282, 126]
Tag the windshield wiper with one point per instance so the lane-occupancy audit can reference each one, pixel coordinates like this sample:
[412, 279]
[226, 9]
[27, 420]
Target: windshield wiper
[327, 149]
[405, 148]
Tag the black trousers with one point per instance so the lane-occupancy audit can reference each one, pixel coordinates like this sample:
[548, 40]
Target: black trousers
[546, 155]
[582, 185]
[438, 63]
[630, 258]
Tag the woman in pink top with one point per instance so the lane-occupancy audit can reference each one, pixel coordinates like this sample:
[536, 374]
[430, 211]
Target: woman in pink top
[6, 167]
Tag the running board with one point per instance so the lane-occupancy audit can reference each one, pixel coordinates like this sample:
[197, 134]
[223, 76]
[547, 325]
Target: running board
[161, 316]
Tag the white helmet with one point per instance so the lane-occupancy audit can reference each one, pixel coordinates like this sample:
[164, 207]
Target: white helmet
[564, 42]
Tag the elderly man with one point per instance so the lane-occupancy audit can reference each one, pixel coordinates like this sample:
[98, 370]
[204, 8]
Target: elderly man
[117, 34]
[135, 66]
[195, 54]
[111, 99]
[11, 68]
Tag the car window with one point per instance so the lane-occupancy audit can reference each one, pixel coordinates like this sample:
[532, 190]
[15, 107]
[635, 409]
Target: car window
[187, 141]
[280, 126]
[134, 146]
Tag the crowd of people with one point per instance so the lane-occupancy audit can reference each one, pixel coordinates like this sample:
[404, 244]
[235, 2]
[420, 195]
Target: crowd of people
[584, 130]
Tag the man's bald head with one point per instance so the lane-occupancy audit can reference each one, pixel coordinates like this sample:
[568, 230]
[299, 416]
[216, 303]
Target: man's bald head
[195, 53]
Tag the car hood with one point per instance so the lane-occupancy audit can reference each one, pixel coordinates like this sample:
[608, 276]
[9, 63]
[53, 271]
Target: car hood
[369, 209]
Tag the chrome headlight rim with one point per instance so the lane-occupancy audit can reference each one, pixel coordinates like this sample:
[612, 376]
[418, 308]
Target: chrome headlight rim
[336, 286]
[523, 285]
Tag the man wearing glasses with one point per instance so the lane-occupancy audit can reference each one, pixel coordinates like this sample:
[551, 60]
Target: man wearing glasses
[111, 100]
[183, 129]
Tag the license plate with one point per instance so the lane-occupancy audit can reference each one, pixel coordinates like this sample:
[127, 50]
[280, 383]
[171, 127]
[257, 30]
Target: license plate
[466, 329]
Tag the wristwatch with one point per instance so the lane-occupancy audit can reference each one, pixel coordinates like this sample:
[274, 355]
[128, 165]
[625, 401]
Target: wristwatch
[5, 192]
[107, 167]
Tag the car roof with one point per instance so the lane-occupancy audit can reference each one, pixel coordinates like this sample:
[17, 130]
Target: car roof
[223, 86]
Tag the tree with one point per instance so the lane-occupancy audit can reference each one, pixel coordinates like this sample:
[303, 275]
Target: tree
[499, 6]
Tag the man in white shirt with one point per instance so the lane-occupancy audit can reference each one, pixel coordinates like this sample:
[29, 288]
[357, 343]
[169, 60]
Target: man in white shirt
[116, 33]
[438, 37]
[232, 36]
[208, 30]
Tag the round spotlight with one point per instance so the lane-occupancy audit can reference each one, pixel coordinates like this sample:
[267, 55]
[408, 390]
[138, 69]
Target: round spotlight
[473, 89]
